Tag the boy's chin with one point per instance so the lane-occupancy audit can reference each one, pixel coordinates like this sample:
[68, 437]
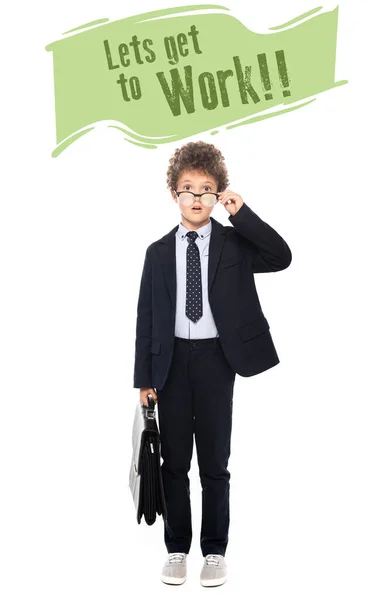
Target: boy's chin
[197, 215]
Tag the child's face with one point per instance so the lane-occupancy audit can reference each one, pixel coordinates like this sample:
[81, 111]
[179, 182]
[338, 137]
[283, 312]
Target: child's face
[198, 183]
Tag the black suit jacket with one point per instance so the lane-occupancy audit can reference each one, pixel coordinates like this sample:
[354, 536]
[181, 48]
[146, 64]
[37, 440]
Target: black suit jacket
[235, 254]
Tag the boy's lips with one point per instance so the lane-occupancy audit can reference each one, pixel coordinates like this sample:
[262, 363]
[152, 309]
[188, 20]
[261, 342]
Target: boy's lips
[198, 209]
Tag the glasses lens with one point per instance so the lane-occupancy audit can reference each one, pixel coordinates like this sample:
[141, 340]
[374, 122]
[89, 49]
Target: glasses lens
[187, 198]
[208, 199]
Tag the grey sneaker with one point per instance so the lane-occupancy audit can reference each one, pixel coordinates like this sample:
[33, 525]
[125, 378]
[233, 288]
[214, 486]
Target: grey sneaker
[174, 569]
[214, 571]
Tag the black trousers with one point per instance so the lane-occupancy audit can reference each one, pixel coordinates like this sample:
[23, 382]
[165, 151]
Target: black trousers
[197, 399]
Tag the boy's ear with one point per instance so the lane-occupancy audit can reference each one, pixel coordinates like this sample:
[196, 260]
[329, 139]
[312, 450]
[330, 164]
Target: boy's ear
[174, 195]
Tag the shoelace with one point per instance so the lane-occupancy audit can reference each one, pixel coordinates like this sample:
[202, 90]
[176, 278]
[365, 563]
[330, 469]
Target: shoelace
[176, 557]
[212, 560]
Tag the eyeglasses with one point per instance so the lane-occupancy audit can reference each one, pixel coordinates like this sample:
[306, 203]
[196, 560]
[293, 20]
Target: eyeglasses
[189, 198]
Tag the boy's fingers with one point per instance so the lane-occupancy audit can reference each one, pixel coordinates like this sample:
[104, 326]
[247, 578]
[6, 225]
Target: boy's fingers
[144, 397]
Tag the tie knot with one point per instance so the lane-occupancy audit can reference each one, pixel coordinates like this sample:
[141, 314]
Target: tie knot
[192, 235]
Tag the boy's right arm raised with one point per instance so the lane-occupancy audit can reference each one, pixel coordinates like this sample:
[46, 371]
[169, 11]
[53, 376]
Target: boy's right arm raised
[142, 364]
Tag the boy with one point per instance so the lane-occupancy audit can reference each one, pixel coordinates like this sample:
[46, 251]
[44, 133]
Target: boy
[199, 322]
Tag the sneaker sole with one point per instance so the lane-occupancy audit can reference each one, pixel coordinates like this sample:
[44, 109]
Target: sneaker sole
[173, 580]
[213, 582]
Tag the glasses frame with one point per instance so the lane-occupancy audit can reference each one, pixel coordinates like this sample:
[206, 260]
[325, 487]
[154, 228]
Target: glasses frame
[197, 195]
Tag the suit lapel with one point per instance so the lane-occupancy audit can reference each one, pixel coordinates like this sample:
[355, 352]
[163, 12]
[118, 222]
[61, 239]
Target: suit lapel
[166, 249]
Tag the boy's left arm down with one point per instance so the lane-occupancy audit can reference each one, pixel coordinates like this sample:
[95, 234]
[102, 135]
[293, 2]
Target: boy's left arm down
[142, 364]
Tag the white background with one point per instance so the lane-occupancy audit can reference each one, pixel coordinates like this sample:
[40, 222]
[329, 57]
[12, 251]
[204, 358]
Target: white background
[308, 445]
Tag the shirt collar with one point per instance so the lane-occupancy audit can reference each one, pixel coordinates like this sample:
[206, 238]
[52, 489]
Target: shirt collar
[203, 231]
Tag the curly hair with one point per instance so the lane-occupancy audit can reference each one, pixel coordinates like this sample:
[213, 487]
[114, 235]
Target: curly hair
[198, 156]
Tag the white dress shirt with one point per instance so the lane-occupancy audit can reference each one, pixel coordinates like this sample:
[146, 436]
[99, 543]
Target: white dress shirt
[184, 327]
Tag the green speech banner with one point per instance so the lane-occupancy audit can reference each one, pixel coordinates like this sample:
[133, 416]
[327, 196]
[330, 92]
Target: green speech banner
[165, 75]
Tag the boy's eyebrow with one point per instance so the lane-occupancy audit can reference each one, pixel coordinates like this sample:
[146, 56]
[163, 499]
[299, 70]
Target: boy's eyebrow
[190, 181]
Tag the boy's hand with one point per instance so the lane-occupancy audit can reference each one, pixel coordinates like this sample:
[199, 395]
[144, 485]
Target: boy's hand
[234, 205]
[143, 392]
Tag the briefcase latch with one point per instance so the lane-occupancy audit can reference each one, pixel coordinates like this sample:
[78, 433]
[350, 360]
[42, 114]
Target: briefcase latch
[150, 413]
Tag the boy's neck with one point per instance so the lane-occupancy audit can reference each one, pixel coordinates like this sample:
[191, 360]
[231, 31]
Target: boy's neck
[194, 226]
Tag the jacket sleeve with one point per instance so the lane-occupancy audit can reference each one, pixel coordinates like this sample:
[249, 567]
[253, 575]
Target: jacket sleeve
[267, 250]
[142, 364]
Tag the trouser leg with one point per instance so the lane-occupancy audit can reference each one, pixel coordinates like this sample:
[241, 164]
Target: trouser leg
[175, 414]
[213, 382]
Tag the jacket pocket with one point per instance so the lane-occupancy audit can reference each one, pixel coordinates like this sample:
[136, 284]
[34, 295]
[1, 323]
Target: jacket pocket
[155, 347]
[231, 263]
[254, 328]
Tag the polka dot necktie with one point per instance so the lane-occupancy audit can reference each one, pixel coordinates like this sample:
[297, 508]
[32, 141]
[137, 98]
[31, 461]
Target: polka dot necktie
[193, 309]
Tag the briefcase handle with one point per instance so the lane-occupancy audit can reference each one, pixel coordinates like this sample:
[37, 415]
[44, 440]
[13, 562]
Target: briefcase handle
[149, 410]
